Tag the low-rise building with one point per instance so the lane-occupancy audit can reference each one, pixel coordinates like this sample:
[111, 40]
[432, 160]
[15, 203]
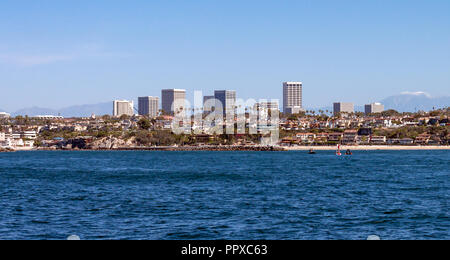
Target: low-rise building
[28, 143]
[393, 141]
[334, 137]
[7, 143]
[406, 141]
[306, 137]
[31, 135]
[378, 140]
[422, 139]
[203, 138]
[350, 137]
[321, 138]
[47, 117]
[434, 140]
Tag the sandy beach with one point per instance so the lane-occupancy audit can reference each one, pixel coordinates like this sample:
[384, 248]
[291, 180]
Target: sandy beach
[368, 147]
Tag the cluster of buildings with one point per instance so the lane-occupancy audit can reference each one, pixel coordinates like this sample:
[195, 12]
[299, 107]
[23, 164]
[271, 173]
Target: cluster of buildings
[362, 136]
[348, 108]
[302, 129]
[356, 130]
[18, 139]
[174, 100]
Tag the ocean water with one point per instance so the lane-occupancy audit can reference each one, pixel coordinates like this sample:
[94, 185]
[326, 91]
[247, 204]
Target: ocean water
[225, 195]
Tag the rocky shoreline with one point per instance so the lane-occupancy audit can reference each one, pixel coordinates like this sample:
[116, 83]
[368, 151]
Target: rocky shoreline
[5, 150]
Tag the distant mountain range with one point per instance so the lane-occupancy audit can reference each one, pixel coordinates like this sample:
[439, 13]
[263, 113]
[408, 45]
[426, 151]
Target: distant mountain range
[405, 102]
[72, 111]
[412, 102]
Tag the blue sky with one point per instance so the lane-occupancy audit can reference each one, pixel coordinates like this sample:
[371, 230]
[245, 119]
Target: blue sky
[60, 53]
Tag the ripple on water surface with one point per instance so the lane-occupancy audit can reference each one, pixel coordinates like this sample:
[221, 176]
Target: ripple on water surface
[224, 195]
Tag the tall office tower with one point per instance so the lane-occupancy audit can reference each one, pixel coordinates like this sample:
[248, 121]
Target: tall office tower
[148, 106]
[292, 97]
[173, 100]
[228, 100]
[373, 108]
[341, 107]
[208, 104]
[123, 107]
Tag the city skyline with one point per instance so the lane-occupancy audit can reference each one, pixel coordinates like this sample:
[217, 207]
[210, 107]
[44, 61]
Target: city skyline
[405, 102]
[224, 126]
[356, 51]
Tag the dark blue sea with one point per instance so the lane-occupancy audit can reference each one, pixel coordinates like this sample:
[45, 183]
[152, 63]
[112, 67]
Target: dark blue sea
[225, 195]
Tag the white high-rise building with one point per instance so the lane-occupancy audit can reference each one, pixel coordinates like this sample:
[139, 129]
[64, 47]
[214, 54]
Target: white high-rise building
[173, 100]
[292, 97]
[148, 106]
[123, 107]
[373, 108]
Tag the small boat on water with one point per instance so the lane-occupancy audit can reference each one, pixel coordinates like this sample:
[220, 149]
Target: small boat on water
[311, 151]
[338, 151]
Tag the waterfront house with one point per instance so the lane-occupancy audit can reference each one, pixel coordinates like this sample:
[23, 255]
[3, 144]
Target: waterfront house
[31, 135]
[28, 143]
[7, 143]
[18, 143]
[287, 141]
[378, 140]
[435, 140]
[321, 138]
[306, 137]
[393, 141]
[422, 139]
[334, 137]
[203, 138]
[406, 141]
[350, 137]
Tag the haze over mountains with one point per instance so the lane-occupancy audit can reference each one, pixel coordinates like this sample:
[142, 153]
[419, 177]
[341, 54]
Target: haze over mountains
[412, 102]
[72, 111]
[405, 102]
